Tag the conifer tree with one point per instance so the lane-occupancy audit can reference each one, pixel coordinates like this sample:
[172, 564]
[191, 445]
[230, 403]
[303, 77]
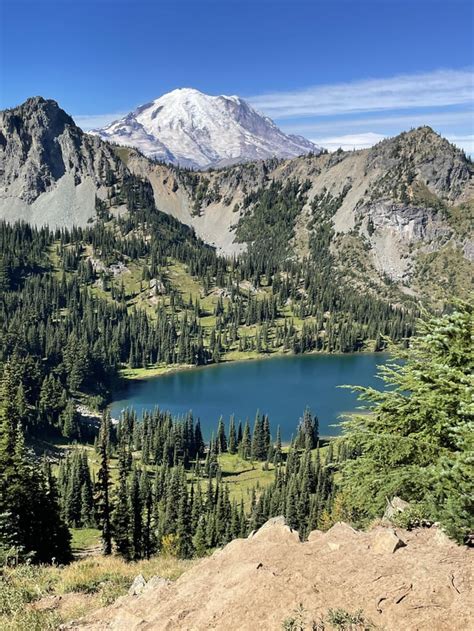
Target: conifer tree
[199, 538]
[136, 507]
[30, 520]
[121, 513]
[103, 485]
[221, 437]
[245, 443]
[232, 436]
[417, 441]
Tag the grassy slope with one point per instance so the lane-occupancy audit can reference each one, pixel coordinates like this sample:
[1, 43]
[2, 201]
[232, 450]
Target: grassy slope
[243, 475]
[138, 295]
[43, 597]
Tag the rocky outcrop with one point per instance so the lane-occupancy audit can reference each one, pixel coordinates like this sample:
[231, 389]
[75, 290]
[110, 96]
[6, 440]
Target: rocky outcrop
[399, 579]
[50, 171]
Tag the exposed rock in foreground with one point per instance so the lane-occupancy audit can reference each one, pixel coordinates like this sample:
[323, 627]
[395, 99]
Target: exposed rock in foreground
[399, 579]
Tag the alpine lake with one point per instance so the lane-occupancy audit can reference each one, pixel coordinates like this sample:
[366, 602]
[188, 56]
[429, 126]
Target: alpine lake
[280, 386]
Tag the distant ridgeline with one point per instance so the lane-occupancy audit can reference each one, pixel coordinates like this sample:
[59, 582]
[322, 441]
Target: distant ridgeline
[78, 305]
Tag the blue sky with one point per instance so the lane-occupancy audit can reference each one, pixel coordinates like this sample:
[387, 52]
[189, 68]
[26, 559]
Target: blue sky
[340, 72]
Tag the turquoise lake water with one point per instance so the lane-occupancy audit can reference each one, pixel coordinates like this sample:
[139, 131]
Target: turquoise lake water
[279, 386]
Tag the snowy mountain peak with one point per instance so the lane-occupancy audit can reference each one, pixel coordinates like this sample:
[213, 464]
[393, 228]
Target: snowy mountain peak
[193, 129]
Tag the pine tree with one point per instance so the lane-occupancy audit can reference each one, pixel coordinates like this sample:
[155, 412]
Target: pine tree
[245, 443]
[53, 538]
[136, 507]
[232, 436]
[417, 440]
[183, 522]
[70, 421]
[221, 437]
[199, 538]
[103, 485]
[30, 521]
[278, 452]
[121, 514]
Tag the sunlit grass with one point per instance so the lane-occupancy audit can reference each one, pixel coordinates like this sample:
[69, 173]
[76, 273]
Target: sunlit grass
[84, 538]
[82, 586]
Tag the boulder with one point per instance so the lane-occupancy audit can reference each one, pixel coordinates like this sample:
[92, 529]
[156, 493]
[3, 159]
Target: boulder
[441, 538]
[395, 506]
[341, 531]
[137, 586]
[315, 536]
[386, 541]
[339, 535]
[274, 530]
[156, 582]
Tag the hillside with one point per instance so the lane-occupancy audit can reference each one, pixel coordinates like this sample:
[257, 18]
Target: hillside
[399, 212]
[394, 219]
[341, 579]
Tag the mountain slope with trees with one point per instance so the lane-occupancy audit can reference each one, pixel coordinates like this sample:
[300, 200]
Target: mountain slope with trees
[396, 215]
[396, 218]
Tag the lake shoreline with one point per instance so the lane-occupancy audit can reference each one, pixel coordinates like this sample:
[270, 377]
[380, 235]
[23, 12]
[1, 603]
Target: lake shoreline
[132, 375]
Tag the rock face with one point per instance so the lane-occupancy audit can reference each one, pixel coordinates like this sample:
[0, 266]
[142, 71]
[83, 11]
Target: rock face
[259, 582]
[50, 171]
[191, 129]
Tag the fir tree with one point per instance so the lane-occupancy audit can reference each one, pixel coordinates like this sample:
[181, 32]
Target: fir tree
[121, 513]
[136, 508]
[103, 485]
[232, 436]
[417, 440]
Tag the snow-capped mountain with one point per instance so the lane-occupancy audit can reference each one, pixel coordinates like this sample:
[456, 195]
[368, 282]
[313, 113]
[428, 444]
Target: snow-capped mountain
[193, 129]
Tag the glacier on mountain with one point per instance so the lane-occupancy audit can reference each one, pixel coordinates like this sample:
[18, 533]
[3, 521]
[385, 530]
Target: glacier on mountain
[195, 130]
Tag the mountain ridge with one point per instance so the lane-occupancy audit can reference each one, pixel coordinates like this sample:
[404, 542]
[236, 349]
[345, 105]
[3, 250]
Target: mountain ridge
[51, 172]
[399, 212]
[388, 207]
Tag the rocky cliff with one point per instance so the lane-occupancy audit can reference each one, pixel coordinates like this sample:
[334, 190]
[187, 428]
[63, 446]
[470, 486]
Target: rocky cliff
[381, 579]
[50, 171]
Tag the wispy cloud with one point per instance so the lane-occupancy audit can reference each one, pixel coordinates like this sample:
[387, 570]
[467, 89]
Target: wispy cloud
[349, 141]
[406, 121]
[440, 88]
[94, 121]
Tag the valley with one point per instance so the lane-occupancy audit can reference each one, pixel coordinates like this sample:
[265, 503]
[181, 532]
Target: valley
[118, 269]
